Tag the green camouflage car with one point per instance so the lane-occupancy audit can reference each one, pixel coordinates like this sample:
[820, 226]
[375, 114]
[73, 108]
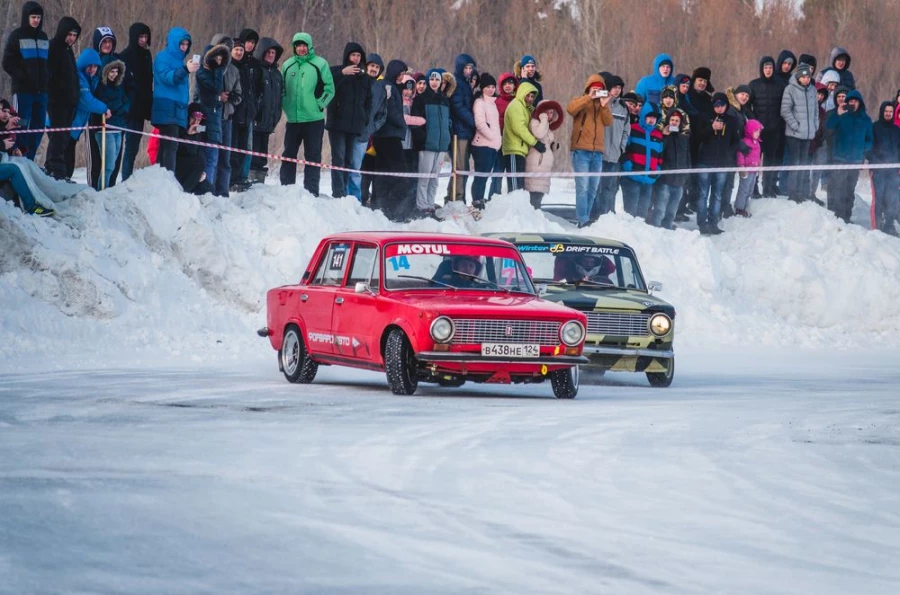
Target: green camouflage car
[629, 329]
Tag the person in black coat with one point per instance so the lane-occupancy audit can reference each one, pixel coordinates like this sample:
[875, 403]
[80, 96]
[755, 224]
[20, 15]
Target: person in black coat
[886, 182]
[766, 93]
[190, 161]
[139, 87]
[64, 93]
[25, 61]
[347, 112]
[270, 88]
[676, 155]
[251, 71]
[388, 139]
[719, 140]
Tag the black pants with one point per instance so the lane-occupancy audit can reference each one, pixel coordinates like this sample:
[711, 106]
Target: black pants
[514, 164]
[240, 139]
[798, 181]
[341, 152]
[842, 191]
[166, 156]
[61, 116]
[260, 145]
[772, 140]
[308, 134]
[97, 162]
[367, 192]
[388, 189]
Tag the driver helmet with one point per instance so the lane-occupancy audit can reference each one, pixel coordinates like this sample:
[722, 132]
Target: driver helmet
[466, 264]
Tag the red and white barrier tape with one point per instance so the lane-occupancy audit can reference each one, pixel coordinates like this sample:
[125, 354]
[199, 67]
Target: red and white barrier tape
[18, 131]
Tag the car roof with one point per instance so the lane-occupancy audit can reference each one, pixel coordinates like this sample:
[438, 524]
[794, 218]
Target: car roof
[383, 237]
[556, 238]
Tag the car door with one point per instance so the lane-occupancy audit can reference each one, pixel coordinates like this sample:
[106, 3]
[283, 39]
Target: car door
[355, 320]
[317, 299]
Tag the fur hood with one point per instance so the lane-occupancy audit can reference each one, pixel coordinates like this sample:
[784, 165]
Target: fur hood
[216, 50]
[114, 64]
[449, 83]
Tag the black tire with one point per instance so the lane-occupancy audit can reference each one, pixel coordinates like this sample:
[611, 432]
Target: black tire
[565, 382]
[294, 360]
[400, 364]
[662, 379]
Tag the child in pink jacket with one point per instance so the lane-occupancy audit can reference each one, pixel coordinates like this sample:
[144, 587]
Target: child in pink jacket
[487, 141]
[752, 159]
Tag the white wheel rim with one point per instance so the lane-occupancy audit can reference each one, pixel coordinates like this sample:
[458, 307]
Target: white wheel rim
[290, 352]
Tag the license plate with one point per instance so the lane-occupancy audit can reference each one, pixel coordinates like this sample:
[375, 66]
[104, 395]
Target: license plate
[510, 350]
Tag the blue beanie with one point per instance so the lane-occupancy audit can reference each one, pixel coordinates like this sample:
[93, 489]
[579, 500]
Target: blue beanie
[438, 71]
[527, 59]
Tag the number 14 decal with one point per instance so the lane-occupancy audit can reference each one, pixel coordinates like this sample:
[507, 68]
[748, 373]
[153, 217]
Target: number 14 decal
[399, 262]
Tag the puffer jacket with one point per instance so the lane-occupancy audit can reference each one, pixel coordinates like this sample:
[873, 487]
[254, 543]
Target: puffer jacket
[616, 135]
[63, 86]
[504, 99]
[392, 105]
[26, 53]
[349, 111]
[231, 79]
[463, 100]
[718, 148]
[676, 154]
[487, 123]
[753, 157]
[645, 148]
[171, 83]
[210, 84]
[589, 119]
[852, 132]
[766, 94]
[540, 162]
[114, 96]
[652, 85]
[270, 87]
[87, 103]
[517, 137]
[437, 132]
[800, 110]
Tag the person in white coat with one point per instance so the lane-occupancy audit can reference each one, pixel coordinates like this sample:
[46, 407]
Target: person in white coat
[547, 117]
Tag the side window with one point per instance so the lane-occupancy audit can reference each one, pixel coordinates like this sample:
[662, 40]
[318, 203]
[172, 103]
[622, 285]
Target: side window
[364, 259]
[331, 269]
[629, 276]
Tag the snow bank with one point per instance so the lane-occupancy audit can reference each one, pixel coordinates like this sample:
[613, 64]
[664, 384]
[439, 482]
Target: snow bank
[143, 271]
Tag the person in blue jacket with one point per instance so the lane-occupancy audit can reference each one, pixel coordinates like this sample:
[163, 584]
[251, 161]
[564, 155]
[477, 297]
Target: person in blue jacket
[88, 63]
[651, 86]
[463, 115]
[851, 130]
[171, 92]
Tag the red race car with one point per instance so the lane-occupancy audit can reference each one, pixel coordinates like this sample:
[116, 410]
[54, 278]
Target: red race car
[424, 308]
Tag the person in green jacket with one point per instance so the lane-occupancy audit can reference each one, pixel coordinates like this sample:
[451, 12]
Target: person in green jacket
[308, 89]
[517, 137]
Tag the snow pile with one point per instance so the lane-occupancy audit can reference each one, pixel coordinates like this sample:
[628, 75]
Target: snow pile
[143, 271]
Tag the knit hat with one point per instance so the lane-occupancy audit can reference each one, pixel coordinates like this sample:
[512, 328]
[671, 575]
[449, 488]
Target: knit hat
[487, 80]
[804, 70]
[668, 92]
[596, 85]
[743, 89]
[612, 80]
[702, 73]
[666, 61]
[526, 60]
[681, 79]
[547, 106]
[632, 97]
[808, 59]
[653, 111]
[419, 76]
[719, 99]
[435, 73]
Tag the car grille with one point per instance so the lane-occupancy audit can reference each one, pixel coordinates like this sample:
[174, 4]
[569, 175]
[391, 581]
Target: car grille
[473, 330]
[623, 325]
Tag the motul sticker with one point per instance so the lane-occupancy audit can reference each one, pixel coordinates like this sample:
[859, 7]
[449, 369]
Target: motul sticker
[423, 249]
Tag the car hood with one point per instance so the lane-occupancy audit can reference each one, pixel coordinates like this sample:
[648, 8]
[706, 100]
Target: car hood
[487, 304]
[608, 299]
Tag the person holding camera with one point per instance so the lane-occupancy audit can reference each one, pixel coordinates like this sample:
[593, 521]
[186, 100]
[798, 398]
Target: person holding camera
[676, 155]
[719, 141]
[190, 165]
[591, 115]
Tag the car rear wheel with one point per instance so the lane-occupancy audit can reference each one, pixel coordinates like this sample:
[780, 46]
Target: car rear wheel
[662, 379]
[400, 364]
[294, 360]
[565, 382]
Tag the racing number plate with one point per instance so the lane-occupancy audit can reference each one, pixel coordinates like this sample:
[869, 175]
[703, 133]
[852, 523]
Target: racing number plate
[510, 350]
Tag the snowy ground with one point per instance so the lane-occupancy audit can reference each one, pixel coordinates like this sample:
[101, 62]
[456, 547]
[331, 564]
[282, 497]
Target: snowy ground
[148, 443]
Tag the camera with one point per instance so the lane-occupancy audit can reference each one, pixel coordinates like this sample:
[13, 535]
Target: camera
[201, 128]
[673, 127]
[196, 58]
[603, 93]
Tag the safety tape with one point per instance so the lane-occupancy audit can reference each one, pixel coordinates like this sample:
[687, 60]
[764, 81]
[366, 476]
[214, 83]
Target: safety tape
[18, 131]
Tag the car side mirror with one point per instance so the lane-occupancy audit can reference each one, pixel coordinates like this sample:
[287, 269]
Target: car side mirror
[654, 286]
[541, 288]
[363, 287]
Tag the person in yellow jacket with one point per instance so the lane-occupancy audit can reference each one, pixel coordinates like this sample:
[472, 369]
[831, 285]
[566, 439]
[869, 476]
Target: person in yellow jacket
[308, 89]
[590, 116]
[517, 137]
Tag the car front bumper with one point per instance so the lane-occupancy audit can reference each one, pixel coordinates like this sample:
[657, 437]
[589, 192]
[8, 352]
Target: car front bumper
[475, 358]
[590, 350]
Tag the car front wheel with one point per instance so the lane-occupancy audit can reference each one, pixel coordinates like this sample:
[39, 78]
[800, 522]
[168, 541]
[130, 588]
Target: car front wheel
[565, 382]
[662, 379]
[400, 364]
[294, 360]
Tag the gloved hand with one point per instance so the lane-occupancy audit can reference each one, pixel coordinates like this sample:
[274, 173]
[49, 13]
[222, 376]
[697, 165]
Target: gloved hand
[540, 147]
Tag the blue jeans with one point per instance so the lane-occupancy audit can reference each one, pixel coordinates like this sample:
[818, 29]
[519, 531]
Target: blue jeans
[487, 160]
[354, 181]
[606, 193]
[12, 174]
[32, 109]
[745, 191]
[113, 146]
[636, 197]
[132, 147]
[711, 186]
[665, 205]
[223, 168]
[245, 168]
[212, 163]
[586, 187]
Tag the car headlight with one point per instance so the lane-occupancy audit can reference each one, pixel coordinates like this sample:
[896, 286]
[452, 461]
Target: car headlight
[660, 324]
[572, 333]
[442, 329]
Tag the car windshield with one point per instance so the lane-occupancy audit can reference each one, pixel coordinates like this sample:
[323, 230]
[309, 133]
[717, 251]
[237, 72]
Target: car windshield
[454, 266]
[589, 266]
